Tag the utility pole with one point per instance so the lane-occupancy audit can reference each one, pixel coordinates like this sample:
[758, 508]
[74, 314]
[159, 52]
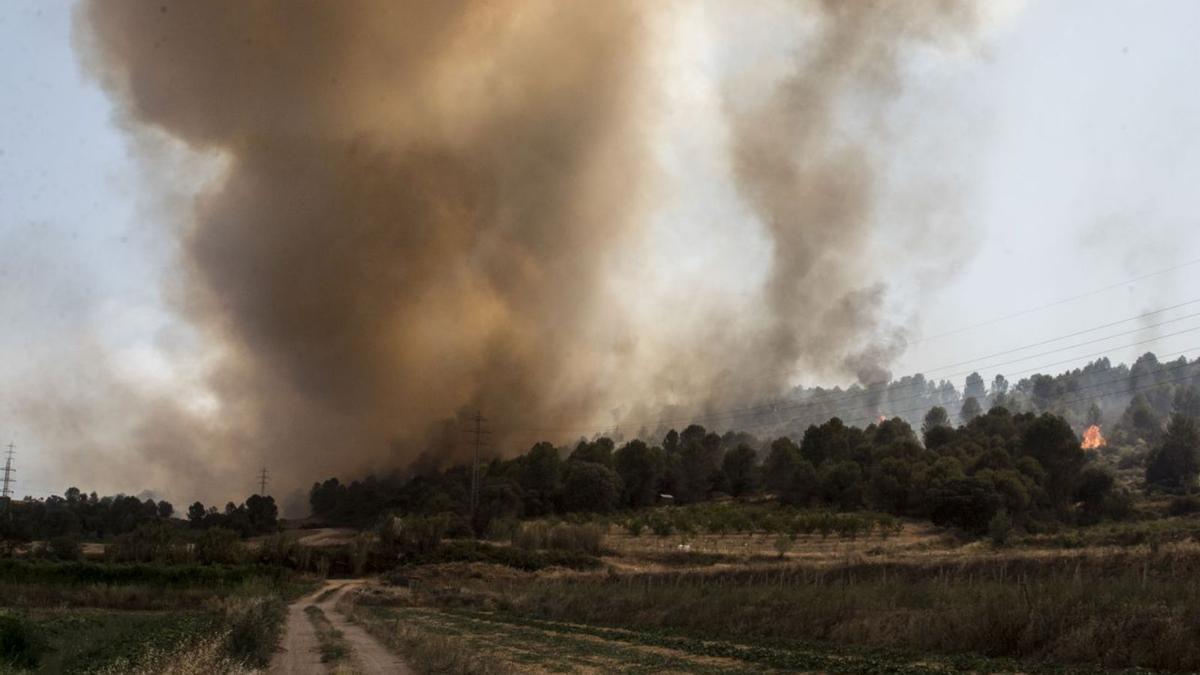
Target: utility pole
[262, 482]
[478, 432]
[6, 491]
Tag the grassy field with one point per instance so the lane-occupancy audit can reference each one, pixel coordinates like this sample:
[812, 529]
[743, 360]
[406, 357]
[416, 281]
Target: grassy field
[1116, 597]
[777, 591]
[468, 641]
[92, 617]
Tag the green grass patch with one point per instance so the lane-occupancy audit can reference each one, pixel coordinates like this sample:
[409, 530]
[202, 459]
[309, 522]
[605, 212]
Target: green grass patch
[77, 641]
[206, 576]
[483, 552]
[332, 643]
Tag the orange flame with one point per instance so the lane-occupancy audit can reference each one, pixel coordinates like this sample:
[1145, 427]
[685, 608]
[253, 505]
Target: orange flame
[1092, 439]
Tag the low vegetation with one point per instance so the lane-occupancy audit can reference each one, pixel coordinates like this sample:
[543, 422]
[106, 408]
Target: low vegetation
[106, 617]
[333, 645]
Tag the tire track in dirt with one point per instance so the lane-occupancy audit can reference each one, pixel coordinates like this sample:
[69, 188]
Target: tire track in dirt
[300, 649]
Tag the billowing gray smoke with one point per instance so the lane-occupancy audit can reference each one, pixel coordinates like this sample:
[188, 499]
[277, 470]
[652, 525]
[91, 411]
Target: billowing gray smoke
[422, 198]
[807, 160]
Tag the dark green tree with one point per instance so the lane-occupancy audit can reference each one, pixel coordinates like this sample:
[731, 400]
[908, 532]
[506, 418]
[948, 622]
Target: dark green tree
[970, 410]
[641, 470]
[541, 479]
[741, 470]
[781, 462]
[1050, 440]
[590, 487]
[599, 451]
[974, 387]
[1175, 463]
[935, 427]
[1186, 402]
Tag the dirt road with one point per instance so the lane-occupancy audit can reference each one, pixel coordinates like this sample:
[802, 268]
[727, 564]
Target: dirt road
[300, 650]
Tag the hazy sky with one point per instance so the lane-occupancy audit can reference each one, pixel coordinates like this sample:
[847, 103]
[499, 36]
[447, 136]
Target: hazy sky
[1064, 151]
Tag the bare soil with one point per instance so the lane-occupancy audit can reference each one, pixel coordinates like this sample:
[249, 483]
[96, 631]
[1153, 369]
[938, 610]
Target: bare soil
[300, 648]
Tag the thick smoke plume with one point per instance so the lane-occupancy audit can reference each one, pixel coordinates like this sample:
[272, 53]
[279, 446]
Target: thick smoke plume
[421, 200]
[809, 160]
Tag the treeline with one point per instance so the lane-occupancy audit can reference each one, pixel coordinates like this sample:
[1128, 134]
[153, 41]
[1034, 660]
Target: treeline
[1098, 393]
[1024, 467]
[257, 515]
[89, 516]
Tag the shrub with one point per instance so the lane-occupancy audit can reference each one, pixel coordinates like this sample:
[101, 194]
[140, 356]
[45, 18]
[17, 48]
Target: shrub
[254, 626]
[482, 552]
[65, 548]
[562, 537]
[19, 645]
[661, 526]
[1181, 506]
[150, 542]
[502, 529]
[218, 546]
[279, 549]
[576, 538]
[531, 536]
[783, 545]
[1000, 528]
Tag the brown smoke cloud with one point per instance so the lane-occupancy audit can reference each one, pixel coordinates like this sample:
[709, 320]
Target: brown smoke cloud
[421, 199]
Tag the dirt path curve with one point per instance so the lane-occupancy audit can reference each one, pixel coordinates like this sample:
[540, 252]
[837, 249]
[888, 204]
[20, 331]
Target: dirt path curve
[299, 649]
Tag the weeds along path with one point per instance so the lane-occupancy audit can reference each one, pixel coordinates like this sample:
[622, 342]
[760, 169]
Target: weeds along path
[300, 649]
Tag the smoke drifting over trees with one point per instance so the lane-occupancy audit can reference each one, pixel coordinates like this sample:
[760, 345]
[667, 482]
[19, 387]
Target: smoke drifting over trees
[420, 201]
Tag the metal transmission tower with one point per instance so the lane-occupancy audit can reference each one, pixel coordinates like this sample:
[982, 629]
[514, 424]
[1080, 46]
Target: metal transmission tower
[478, 432]
[6, 491]
[262, 482]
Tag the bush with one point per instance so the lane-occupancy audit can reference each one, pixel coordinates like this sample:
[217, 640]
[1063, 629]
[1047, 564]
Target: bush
[254, 626]
[150, 543]
[1000, 528]
[482, 552]
[783, 545]
[502, 529]
[19, 645]
[1181, 506]
[411, 535]
[219, 546]
[576, 538]
[538, 535]
[175, 576]
[280, 549]
[65, 548]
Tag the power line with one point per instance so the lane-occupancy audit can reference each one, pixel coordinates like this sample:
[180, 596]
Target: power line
[1056, 303]
[6, 490]
[1076, 334]
[1131, 390]
[780, 405]
[841, 414]
[478, 432]
[1079, 344]
[825, 403]
[875, 407]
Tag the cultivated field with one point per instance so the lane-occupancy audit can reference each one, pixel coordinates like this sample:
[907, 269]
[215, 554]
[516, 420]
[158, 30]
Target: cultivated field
[593, 596]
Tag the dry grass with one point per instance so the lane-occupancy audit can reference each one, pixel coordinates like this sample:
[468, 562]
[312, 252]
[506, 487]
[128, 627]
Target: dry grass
[202, 657]
[1114, 607]
[426, 650]
[333, 645]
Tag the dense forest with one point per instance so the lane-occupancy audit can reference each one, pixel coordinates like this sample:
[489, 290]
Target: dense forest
[91, 517]
[1021, 460]
[951, 463]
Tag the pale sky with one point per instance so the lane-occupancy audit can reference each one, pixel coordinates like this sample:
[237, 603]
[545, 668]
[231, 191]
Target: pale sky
[1067, 151]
